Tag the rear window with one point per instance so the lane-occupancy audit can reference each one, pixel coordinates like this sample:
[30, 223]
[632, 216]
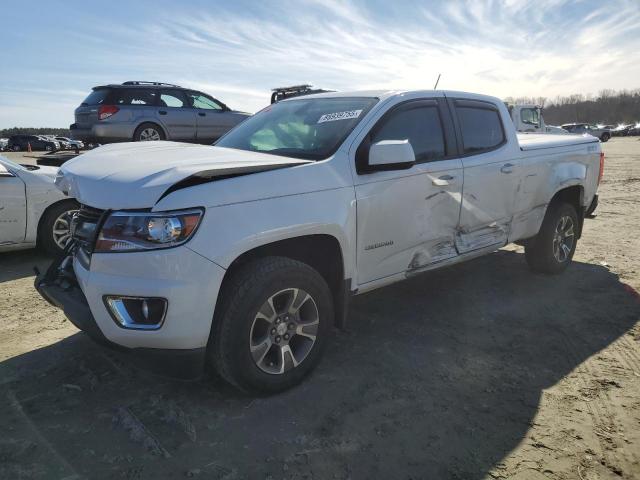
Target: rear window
[96, 97]
[481, 128]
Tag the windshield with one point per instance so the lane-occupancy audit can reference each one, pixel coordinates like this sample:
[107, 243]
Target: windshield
[311, 129]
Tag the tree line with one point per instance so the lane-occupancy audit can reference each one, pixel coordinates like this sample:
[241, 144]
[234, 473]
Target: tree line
[58, 132]
[608, 107]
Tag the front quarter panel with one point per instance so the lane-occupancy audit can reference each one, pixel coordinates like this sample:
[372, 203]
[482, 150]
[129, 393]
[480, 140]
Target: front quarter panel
[41, 193]
[228, 231]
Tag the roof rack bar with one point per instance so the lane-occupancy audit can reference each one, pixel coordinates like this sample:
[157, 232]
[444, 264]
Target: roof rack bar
[140, 82]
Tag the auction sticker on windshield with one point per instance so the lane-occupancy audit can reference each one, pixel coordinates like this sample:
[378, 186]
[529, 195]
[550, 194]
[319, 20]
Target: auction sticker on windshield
[332, 117]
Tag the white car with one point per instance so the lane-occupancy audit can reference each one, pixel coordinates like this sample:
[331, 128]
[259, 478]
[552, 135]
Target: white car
[32, 210]
[245, 254]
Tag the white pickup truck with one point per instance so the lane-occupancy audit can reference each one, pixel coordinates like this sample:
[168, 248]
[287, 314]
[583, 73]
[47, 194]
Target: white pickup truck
[243, 255]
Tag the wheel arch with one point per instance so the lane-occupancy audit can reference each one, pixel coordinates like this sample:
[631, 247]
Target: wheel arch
[573, 195]
[322, 252]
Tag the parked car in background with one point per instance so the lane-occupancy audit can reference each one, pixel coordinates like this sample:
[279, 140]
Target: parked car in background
[64, 145]
[621, 130]
[244, 254]
[634, 130]
[21, 143]
[142, 111]
[71, 142]
[3, 144]
[34, 212]
[604, 134]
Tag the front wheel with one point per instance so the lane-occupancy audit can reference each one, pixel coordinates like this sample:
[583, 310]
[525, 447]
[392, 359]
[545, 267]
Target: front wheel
[272, 324]
[551, 251]
[605, 137]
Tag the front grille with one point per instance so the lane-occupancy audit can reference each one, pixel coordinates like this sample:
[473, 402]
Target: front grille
[85, 230]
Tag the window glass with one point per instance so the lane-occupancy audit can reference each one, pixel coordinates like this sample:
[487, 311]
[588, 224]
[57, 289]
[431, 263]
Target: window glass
[200, 101]
[172, 99]
[96, 97]
[481, 128]
[421, 126]
[134, 96]
[303, 128]
[530, 116]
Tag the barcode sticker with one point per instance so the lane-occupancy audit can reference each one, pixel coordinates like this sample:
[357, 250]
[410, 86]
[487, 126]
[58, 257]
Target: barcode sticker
[332, 117]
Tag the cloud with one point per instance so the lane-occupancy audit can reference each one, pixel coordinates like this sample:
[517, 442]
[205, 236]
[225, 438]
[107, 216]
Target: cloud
[239, 51]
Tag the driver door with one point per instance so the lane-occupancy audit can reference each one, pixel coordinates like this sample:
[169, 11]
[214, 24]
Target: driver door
[407, 218]
[13, 207]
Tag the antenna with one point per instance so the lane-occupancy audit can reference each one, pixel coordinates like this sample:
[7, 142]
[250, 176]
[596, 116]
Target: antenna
[437, 81]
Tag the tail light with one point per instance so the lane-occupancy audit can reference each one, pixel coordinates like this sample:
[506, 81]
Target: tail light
[601, 167]
[106, 111]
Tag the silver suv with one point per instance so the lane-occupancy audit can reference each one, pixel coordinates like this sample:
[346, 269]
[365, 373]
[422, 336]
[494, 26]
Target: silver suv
[139, 111]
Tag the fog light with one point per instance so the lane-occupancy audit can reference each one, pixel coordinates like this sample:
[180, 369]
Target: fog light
[138, 313]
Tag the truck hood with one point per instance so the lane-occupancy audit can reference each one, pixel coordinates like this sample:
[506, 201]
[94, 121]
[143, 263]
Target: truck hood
[137, 175]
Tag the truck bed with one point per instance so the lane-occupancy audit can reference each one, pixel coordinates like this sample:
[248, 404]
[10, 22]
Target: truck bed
[539, 141]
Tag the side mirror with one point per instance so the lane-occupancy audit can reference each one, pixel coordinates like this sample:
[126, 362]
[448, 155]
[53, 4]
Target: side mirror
[391, 155]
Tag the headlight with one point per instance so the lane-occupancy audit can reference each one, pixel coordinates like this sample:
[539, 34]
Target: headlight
[135, 231]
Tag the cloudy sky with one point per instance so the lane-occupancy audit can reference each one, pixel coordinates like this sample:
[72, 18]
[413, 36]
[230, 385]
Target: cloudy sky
[53, 52]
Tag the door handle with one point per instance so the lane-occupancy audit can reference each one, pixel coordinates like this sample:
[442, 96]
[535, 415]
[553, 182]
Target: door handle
[443, 180]
[202, 114]
[162, 112]
[507, 168]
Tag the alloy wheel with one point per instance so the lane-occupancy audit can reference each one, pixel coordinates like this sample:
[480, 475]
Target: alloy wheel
[284, 331]
[563, 239]
[62, 229]
[149, 134]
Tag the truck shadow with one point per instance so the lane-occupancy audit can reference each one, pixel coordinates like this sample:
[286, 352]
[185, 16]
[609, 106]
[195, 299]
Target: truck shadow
[19, 264]
[440, 376]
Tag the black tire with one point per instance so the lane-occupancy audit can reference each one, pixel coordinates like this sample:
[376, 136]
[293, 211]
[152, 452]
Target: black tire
[46, 239]
[245, 292]
[16, 148]
[139, 133]
[540, 252]
[605, 137]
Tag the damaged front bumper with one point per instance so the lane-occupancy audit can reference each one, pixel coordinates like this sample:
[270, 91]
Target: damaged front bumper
[59, 287]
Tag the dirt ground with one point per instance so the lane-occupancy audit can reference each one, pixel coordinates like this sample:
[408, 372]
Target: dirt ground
[479, 371]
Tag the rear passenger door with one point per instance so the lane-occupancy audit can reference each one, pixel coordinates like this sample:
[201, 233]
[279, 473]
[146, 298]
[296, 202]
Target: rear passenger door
[176, 115]
[490, 176]
[407, 218]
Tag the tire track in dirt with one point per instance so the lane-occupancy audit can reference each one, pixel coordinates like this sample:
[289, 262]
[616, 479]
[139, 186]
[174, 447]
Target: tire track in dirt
[597, 406]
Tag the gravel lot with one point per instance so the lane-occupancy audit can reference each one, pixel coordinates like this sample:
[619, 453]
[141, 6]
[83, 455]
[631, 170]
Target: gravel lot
[482, 370]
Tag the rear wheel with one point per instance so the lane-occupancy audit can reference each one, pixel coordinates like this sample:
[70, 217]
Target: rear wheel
[148, 132]
[551, 251]
[271, 327]
[16, 148]
[605, 137]
[55, 229]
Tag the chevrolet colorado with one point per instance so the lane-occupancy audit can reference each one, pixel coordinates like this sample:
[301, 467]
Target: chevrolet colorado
[243, 255]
